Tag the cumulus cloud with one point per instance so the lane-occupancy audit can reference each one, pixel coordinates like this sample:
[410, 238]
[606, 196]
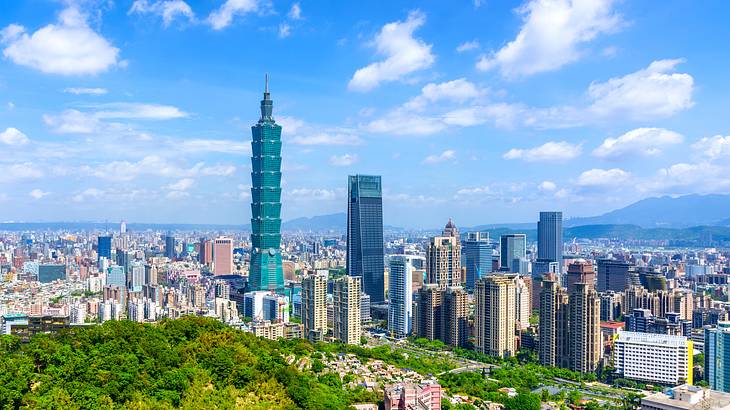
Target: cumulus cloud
[220, 146]
[89, 193]
[71, 122]
[640, 141]
[168, 10]
[597, 177]
[654, 92]
[685, 178]
[223, 16]
[310, 194]
[551, 35]
[403, 53]
[549, 152]
[67, 47]
[467, 46]
[408, 119]
[24, 171]
[13, 136]
[547, 186]
[38, 194]
[85, 90]
[344, 160]
[284, 30]
[299, 132]
[713, 147]
[181, 185]
[447, 155]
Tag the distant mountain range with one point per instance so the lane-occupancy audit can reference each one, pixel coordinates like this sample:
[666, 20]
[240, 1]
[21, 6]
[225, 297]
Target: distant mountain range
[667, 212]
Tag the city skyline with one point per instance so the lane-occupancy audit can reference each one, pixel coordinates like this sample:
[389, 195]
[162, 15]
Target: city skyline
[150, 122]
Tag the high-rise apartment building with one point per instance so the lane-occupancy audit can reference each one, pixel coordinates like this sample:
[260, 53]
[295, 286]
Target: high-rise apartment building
[477, 252]
[223, 256]
[266, 271]
[314, 306]
[584, 328]
[523, 301]
[365, 234]
[717, 356]
[443, 259]
[443, 314]
[512, 251]
[613, 275]
[553, 329]
[347, 325]
[400, 295]
[494, 315]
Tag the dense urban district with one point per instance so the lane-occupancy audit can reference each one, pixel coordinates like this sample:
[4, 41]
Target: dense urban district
[369, 318]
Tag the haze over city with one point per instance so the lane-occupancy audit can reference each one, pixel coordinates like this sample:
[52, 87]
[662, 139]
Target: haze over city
[141, 110]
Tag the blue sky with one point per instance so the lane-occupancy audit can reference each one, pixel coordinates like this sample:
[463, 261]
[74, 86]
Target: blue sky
[483, 111]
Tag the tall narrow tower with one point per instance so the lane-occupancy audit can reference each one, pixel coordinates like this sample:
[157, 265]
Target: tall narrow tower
[266, 272]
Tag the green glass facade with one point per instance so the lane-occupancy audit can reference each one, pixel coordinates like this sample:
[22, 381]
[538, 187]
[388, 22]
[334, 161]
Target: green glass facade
[266, 272]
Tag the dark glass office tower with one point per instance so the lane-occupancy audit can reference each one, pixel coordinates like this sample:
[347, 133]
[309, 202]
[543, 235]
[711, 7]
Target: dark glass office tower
[477, 253]
[266, 272]
[365, 234]
[104, 247]
[550, 237]
[170, 246]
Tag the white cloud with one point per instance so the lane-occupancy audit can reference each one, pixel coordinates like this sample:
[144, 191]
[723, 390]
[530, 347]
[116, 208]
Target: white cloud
[456, 90]
[404, 54]
[683, 178]
[177, 195]
[25, 171]
[11, 105]
[467, 46]
[713, 147]
[167, 9]
[71, 122]
[447, 155]
[549, 152]
[603, 177]
[547, 186]
[89, 193]
[139, 111]
[326, 139]
[218, 170]
[13, 136]
[37, 194]
[656, 91]
[309, 194]
[400, 122]
[640, 141]
[295, 13]
[153, 165]
[284, 30]
[551, 35]
[84, 90]
[344, 160]
[181, 185]
[69, 47]
[223, 16]
[220, 146]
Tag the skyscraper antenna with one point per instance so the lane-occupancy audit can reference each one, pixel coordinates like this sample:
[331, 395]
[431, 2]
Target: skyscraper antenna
[266, 87]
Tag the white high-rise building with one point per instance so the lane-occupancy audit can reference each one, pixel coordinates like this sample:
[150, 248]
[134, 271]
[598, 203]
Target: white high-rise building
[400, 294]
[653, 358]
[523, 303]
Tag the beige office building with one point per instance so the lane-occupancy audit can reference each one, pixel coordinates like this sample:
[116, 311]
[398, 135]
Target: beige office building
[347, 324]
[442, 314]
[494, 315]
[314, 306]
[223, 256]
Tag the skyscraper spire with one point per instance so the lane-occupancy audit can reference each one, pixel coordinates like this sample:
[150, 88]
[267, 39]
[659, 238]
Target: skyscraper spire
[267, 106]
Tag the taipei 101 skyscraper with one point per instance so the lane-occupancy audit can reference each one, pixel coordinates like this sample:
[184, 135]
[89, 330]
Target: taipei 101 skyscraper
[266, 272]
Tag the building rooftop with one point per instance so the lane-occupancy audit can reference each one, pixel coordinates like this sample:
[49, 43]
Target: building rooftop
[688, 397]
[652, 338]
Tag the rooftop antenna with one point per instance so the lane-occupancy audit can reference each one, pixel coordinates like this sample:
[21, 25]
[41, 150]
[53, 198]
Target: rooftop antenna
[266, 88]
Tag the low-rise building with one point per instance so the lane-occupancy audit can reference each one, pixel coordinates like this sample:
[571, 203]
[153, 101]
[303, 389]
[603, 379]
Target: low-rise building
[653, 358]
[686, 397]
